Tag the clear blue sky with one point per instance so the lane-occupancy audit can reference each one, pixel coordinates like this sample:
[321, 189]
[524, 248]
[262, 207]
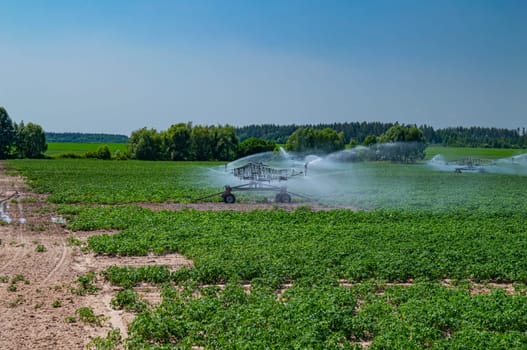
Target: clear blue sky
[115, 66]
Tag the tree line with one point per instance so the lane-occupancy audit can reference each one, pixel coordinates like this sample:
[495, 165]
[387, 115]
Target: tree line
[400, 143]
[360, 132]
[78, 137]
[185, 141]
[20, 140]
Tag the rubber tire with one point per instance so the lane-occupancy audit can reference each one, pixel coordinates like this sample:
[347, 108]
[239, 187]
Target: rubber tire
[229, 198]
[282, 198]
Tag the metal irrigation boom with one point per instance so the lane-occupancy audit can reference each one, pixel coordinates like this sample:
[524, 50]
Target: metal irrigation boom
[259, 177]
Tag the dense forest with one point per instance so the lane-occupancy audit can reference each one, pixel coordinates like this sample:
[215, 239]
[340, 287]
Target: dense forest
[358, 132]
[85, 137]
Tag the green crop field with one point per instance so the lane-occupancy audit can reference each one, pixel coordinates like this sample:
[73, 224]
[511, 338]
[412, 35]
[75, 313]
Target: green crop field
[57, 148]
[359, 185]
[453, 153]
[110, 182]
[431, 258]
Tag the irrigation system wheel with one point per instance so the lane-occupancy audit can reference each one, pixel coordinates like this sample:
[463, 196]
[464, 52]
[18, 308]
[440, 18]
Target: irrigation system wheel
[229, 198]
[283, 198]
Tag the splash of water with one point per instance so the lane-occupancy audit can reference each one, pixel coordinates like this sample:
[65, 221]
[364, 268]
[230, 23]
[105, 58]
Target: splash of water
[284, 153]
[516, 165]
[4, 216]
[312, 159]
[338, 180]
[255, 158]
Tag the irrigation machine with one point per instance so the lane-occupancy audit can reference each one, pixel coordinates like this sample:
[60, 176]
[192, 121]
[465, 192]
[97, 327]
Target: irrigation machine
[472, 165]
[261, 177]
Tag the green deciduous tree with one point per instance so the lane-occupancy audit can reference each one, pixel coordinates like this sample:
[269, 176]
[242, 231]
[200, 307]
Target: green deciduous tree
[7, 133]
[402, 144]
[255, 145]
[317, 141]
[225, 142]
[370, 140]
[399, 133]
[328, 140]
[300, 140]
[30, 140]
[176, 141]
[145, 144]
[201, 147]
[185, 142]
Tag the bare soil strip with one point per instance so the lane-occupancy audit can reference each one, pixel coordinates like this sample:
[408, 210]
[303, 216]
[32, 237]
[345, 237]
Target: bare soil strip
[38, 273]
[245, 206]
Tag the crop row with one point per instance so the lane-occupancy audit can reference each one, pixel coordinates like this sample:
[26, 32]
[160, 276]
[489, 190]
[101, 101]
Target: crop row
[424, 315]
[277, 245]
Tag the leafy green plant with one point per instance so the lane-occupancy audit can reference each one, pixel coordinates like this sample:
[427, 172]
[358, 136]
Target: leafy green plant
[87, 315]
[111, 341]
[18, 301]
[18, 278]
[74, 241]
[56, 303]
[86, 284]
[40, 248]
[128, 299]
[70, 319]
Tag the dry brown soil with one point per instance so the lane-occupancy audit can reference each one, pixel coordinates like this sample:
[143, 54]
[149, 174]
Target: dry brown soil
[39, 311]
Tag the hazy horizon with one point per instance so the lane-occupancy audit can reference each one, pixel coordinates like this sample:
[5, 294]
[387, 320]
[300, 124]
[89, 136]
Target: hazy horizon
[116, 66]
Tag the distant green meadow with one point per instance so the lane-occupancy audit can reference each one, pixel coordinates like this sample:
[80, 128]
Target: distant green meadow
[455, 153]
[57, 148]
[449, 153]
